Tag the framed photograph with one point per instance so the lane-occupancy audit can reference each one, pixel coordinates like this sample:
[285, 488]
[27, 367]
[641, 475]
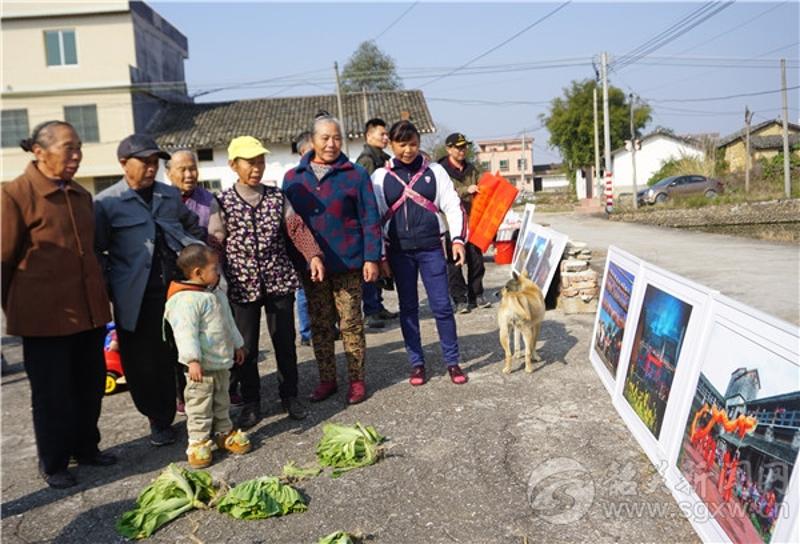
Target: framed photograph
[738, 452]
[527, 216]
[540, 244]
[666, 320]
[546, 252]
[525, 245]
[610, 343]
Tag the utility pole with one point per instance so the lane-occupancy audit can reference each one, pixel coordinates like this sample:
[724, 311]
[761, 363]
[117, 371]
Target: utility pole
[748, 117]
[606, 123]
[787, 173]
[633, 156]
[598, 182]
[341, 109]
[522, 163]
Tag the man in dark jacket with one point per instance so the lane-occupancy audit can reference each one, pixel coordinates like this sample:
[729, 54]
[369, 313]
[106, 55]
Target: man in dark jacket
[373, 157]
[466, 295]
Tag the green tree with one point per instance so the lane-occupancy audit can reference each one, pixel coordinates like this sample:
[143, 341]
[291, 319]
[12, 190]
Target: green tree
[571, 122]
[371, 69]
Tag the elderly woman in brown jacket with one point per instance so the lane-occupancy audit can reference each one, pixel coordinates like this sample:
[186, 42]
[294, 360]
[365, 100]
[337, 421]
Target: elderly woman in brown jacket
[54, 297]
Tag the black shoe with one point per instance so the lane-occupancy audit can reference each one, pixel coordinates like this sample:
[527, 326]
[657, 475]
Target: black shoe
[386, 314]
[461, 308]
[374, 322]
[249, 416]
[294, 408]
[162, 436]
[470, 306]
[62, 479]
[99, 459]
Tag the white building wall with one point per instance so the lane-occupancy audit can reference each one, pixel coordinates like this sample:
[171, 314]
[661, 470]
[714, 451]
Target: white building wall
[649, 159]
[279, 160]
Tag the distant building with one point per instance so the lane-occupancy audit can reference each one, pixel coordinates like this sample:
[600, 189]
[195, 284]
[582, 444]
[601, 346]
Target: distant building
[506, 157]
[549, 177]
[103, 66]
[656, 149]
[766, 141]
[207, 128]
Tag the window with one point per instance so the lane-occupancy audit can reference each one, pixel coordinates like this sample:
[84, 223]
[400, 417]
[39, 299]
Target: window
[60, 47]
[486, 165]
[212, 185]
[15, 127]
[104, 182]
[84, 119]
[205, 154]
[504, 165]
[522, 164]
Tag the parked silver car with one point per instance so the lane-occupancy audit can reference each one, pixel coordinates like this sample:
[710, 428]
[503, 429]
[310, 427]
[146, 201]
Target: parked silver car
[680, 185]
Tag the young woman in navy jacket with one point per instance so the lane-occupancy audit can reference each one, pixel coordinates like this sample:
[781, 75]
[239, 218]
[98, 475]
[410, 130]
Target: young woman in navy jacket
[412, 196]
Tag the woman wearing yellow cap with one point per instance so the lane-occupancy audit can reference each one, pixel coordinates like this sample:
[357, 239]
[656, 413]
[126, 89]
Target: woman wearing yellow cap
[253, 222]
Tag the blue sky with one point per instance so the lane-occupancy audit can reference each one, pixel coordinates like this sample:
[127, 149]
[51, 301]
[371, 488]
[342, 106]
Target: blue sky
[733, 52]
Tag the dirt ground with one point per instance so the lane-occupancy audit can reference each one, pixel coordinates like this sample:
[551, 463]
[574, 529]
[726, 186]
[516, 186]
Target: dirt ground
[501, 459]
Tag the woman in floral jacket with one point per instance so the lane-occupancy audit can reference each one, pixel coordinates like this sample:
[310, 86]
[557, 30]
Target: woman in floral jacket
[252, 221]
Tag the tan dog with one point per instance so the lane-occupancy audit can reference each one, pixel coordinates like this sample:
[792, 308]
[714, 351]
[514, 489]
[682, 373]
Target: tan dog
[522, 309]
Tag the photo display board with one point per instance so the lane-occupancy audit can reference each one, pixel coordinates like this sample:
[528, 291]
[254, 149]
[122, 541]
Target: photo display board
[527, 217]
[611, 338]
[540, 251]
[740, 438]
[710, 388]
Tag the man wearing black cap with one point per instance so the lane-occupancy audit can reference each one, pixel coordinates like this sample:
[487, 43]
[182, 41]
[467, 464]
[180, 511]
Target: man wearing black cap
[141, 225]
[466, 295]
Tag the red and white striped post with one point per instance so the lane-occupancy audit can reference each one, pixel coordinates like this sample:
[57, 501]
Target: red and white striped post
[609, 192]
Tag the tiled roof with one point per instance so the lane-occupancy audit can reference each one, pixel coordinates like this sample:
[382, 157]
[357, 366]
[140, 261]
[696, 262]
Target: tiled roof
[773, 142]
[279, 120]
[730, 138]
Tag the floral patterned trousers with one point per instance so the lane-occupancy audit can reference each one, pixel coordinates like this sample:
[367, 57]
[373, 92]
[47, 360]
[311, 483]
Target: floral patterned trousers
[337, 299]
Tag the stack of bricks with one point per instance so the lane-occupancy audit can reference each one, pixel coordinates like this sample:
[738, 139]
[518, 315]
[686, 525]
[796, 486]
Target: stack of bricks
[580, 285]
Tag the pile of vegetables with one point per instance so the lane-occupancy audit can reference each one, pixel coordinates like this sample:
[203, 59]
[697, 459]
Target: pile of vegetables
[175, 491]
[262, 498]
[293, 473]
[344, 448]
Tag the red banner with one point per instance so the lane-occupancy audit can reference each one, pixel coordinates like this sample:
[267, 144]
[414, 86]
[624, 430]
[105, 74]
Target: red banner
[495, 196]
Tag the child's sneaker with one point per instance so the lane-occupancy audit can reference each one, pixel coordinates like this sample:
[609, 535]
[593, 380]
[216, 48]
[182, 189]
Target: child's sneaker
[235, 441]
[199, 453]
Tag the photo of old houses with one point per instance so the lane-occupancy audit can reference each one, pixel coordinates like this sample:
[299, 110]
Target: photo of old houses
[657, 346]
[612, 315]
[527, 239]
[742, 437]
[535, 259]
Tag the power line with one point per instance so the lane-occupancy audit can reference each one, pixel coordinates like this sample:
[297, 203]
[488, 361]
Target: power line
[501, 44]
[664, 33]
[397, 20]
[737, 27]
[645, 50]
[717, 98]
[705, 74]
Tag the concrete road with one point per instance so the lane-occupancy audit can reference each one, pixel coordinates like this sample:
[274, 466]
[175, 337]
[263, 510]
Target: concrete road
[500, 459]
[761, 274]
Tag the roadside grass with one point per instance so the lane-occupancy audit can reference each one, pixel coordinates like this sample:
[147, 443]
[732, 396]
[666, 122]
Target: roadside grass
[556, 201]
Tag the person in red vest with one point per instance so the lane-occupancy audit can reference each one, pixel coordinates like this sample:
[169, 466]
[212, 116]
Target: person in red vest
[467, 295]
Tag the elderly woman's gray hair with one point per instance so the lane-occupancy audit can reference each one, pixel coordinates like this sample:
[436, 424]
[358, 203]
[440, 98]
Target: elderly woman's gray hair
[177, 152]
[326, 120]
